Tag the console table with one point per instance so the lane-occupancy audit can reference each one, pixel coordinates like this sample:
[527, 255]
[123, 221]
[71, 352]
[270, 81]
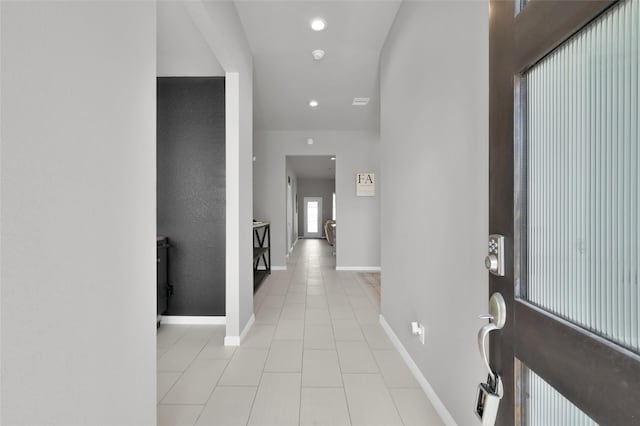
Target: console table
[261, 252]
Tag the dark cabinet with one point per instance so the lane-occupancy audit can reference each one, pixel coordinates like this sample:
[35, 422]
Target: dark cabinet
[162, 276]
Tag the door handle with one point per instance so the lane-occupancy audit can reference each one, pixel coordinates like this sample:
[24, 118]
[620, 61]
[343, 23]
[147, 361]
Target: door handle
[490, 393]
[497, 318]
[482, 338]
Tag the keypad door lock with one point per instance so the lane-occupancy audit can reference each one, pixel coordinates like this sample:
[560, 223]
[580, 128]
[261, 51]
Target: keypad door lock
[494, 261]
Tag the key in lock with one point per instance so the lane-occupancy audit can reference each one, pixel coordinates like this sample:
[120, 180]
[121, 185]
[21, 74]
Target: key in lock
[488, 400]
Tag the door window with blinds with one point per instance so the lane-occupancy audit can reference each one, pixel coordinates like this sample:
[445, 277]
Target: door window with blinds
[547, 407]
[583, 178]
[581, 132]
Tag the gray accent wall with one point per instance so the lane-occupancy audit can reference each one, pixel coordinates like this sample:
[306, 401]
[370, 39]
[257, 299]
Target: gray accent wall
[220, 25]
[358, 243]
[78, 262]
[434, 179]
[323, 188]
[191, 191]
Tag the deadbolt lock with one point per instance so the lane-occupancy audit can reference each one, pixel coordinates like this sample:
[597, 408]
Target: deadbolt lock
[494, 261]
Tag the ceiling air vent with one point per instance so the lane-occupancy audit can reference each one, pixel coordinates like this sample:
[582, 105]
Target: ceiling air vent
[360, 101]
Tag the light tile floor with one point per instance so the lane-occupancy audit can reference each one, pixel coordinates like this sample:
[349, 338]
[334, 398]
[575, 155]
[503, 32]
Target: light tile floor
[316, 355]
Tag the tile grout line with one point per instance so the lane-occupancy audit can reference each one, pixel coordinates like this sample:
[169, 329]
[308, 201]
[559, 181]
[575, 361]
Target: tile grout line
[216, 384]
[183, 371]
[255, 396]
[344, 385]
[386, 386]
[304, 320]
[360, 284]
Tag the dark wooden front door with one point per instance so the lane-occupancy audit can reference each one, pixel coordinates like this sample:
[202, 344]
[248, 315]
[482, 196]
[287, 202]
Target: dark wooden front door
[564, 191]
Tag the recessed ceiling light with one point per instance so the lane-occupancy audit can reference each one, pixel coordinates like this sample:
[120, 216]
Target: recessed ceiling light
[318, 24]
[318, 54]
[333, 158]
[309, 141]
[313, 103]
[360, 101]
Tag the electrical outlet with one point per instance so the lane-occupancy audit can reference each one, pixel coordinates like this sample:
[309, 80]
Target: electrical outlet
[417, 329]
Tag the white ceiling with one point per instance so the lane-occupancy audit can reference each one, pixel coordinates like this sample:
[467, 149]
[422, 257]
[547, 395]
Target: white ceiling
[286, 77]
[313, 167]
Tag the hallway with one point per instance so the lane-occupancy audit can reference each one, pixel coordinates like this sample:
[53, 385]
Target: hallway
[316, 355]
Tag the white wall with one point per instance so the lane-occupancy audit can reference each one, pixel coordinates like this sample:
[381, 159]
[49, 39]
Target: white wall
[219, 24]
[316, 188]
[358, 239]
[1, 267]
[78, 229]
[292, 218]
[182, 51]
[296, 216]
[434, 142]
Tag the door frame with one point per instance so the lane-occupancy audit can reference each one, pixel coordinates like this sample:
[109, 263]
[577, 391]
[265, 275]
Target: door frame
[289, 215]
[319, 233]
[599, 377]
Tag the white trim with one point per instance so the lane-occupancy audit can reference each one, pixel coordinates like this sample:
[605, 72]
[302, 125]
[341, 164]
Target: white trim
[232, 340]
[359, 268]
[293, 246]
[234, 230]
[439, 406]
[278, 268]
[235, 340]
[247, 327]
[192, 320]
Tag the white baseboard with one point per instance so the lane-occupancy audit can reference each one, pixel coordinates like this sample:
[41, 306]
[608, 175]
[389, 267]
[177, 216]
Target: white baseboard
[232, 340]
[192, 320]
[439, 406]
[359, 268]
[247, 327]
[235, 340]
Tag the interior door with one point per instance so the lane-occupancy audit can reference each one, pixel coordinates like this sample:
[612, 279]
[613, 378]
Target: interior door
[565, 194]
[313, 217]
